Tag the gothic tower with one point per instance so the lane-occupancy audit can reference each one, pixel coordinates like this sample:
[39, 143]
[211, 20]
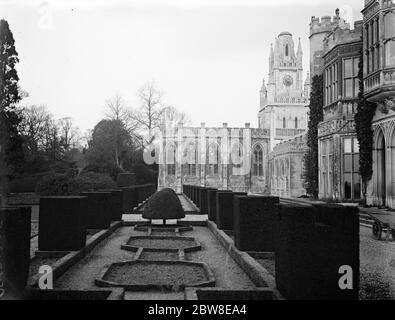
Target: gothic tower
[283, 100]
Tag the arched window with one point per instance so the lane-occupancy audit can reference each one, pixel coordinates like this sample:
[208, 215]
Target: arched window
[296, 122]
[213, 158]
[170, 159]
[257, 161]
[284, 123]
[189, 164]
[286, 50]
[389, 38]
[237, 155]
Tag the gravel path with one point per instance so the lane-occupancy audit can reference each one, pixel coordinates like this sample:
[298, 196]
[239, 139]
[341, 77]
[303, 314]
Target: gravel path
[187, 204]
[82, 275]
[162, 243]
[377, 267]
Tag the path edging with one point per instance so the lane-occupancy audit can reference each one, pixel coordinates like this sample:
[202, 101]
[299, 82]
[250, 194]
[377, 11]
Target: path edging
[70, 259]
[257, 273]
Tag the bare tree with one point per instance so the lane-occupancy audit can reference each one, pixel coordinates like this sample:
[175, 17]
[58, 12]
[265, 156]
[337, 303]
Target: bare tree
[33, 126]
[116, 109]
[52, 143]
[172, 117]
[149, 115]
[69, 133]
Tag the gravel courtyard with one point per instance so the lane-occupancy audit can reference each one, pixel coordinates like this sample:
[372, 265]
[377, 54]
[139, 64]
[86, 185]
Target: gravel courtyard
[377, 267]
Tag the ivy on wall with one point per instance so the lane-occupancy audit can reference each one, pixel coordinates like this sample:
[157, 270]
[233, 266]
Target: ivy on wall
[363, 127]
[316, 116]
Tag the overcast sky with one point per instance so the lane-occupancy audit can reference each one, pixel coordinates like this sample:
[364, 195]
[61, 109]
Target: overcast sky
[208, 56]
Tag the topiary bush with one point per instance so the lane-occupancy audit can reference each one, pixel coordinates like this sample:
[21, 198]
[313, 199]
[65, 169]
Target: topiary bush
[63, 184]
[164, 204]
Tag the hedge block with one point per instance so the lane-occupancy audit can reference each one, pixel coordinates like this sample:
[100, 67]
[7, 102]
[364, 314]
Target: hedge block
[193, 194]
[197, 196]
[294, 251]
[212, 204]
[336, 245]
[254, 222]
[204, 199]
[130, 199]
[126, 179]
[99, 209]
[62, 224]
[116, 203]
[224, 216]
[312, 243]
[15, 224]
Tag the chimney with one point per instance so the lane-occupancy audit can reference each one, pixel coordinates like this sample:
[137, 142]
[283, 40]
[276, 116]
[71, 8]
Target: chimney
[225, 124]
[247, 125]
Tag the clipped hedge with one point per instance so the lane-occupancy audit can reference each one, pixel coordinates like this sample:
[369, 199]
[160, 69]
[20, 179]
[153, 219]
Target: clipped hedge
[65, 185]
[95, 181]
[164, 204]
[56, 184]
[15, 224]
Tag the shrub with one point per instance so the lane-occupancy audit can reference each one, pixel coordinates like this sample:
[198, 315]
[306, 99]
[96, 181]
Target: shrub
[94, 181]
[63, 184]
[56, 184]
[144, 174]
[164, 204]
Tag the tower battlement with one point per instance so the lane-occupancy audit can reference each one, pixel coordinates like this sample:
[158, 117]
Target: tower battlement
[323, 25]
[343, 35]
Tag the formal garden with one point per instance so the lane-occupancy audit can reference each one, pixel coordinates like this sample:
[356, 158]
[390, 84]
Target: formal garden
[133, 242]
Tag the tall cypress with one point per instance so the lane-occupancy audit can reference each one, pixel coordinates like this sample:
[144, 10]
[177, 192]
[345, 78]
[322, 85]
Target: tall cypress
[316, 116]
[11, 151]
[363, 126]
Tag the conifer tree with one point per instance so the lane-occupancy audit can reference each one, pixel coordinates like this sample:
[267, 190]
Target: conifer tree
[316, 116]
[11, 151]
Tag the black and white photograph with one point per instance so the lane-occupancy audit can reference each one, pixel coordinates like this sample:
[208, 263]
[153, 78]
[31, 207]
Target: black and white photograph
[199, 155]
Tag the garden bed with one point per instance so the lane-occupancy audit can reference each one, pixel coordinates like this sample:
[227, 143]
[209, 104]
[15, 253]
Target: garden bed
[180, 227]
[162, 243]
[163, 275]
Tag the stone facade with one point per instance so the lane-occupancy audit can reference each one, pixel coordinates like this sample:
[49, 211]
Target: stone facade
[283, 101]
[319, 29]
[210, 157]
[338, 147]
[286, 168]
[379, 87]
[223, 158]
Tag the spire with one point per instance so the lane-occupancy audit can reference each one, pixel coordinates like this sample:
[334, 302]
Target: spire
[276, 45]
[300, 52]
[263, 95]
[263, 88]
[271, 58]
[276, 51]
[307, 81]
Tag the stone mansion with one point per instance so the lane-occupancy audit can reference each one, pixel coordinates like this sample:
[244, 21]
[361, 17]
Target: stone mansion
[245, 159]
[269, 159]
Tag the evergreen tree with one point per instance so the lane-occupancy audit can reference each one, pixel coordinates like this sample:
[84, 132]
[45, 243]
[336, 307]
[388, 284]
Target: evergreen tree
[11, 151]
[363, 127]
[316, 116]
